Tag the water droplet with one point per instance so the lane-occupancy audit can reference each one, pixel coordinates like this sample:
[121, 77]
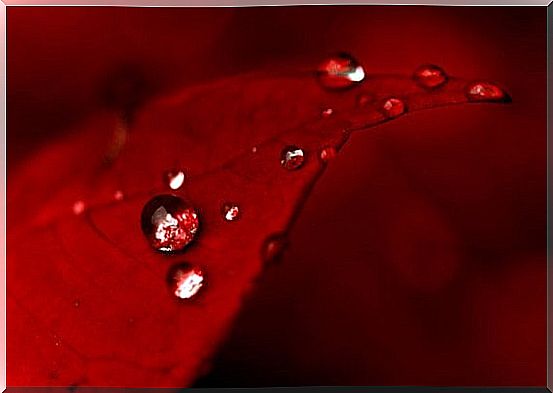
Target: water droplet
[79, 207]
[185, 280]
[327, 112]
[292, 157]
[254, 149]
[483, 91]
[328, 153]
[393, 107]
[231, 212]
[430, 76]
[77, 303]
[174, 178]
[118, 195]
[340, 72]
[169, 222]
[273, 247]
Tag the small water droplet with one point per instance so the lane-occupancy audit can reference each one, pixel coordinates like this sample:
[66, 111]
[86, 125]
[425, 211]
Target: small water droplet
[327, 112]
[430, 76]
[77, 303]
[79, 207]
[169, 223]
[254, 149]
[118, 195]
[340, 72]
[273, 247]
[231, 211]
[174, 178]
[185, 280]
[394, 107]
[328, 153]
[484, 91]
[292, 157]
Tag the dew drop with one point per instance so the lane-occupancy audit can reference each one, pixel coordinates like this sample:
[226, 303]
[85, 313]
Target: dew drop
[393, 107]
[327, 112]
[430, 76]
[273, 247]
[292, 157]
[169, 223]
[118, 195]
[174, 178]
[340, 72]
[231, 212]
[254, 149]
[484, 91]
[328, 153]
[78, 207]
[185, 280]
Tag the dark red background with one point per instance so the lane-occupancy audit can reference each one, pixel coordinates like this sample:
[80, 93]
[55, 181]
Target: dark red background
[420, 256]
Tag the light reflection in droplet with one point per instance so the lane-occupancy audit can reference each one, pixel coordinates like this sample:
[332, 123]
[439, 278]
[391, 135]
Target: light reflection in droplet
[328, 153]
[292, 157]
[79, 207]
[340, 72]
[185, 280]
[231, 212]
[118, 195]
[174, 178]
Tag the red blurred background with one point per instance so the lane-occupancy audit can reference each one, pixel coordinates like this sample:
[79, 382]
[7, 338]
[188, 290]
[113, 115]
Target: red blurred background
[420, 257]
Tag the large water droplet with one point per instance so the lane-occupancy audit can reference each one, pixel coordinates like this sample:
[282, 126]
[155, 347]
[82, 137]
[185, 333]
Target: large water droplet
[174, 178]
[231, 212]
[185, 280]
[340, 72]
[484, 91]
[169, 223]
[393, 107]
[292, 157]
[430, 76]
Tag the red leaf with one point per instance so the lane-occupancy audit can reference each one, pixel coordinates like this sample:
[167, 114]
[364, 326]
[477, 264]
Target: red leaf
[88, 302]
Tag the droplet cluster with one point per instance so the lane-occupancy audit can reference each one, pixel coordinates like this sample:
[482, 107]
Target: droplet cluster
[171, 224]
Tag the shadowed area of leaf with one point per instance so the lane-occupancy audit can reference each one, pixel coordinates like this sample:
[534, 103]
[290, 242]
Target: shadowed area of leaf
[87, 299]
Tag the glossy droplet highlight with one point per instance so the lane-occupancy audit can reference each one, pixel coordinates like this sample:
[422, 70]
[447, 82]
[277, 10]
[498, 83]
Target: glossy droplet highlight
[185, 280]
[393, 107]
[174, 178]
[78, 207]
[484, 91]
[327, 112]
[327, 153]
[118, 195]
[292, 157]
[231, 212]
[430, 76]
[169, 223]
[340, 72]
